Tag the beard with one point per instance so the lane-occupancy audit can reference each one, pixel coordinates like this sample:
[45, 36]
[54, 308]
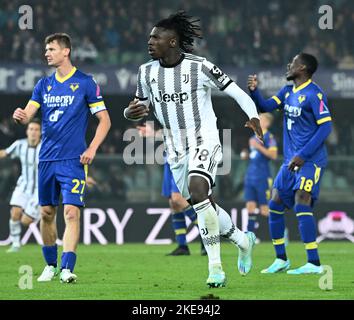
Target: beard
[290, 77]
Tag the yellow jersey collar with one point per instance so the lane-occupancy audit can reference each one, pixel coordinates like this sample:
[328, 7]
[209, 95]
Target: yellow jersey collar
[305, 84]
[68, 76]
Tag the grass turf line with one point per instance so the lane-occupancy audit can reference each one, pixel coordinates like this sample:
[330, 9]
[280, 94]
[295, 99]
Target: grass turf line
[143, 272]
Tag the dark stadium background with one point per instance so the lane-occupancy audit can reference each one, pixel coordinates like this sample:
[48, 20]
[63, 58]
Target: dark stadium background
[109, 40]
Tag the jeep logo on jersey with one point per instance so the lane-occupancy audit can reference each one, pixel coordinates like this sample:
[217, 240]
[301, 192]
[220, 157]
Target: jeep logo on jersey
[174, 97]
[58, 101]
[55, 115]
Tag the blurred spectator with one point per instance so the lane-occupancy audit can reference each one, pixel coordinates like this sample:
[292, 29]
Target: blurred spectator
[116, 32]
[85, 51]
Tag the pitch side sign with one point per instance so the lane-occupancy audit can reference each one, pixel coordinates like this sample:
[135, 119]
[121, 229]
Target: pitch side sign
[19, 78]
[116, 222]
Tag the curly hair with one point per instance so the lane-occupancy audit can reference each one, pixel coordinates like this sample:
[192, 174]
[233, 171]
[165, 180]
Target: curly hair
[185, 28]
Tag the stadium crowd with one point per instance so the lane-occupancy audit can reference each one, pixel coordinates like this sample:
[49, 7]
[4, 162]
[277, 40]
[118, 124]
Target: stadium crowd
[265, 33]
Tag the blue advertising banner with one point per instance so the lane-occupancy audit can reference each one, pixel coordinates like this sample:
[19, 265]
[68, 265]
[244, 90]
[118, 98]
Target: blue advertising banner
[115, 80]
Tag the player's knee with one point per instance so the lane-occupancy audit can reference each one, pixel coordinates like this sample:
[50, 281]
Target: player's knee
[198, 196]
[175, 206]
[198, 189]
[72, 215]
[26, 221]
[47, 215]
[303, 197]
[177, 202]
[16, 213]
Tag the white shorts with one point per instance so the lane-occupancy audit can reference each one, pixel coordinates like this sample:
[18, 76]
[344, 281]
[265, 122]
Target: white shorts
[200, 161]
[28, 202]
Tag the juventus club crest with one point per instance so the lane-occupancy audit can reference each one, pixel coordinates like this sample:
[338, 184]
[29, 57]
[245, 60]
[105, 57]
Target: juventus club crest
[185, 78]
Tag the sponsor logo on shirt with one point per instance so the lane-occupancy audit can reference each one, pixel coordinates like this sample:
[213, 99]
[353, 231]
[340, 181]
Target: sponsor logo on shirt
[57, 101]
[174, 97]
[292, 111]
[218, 74]
[54, 117]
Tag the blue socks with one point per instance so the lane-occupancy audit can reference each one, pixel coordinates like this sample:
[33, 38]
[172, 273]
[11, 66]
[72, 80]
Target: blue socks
[68, 260]
[307, 228]
[190, 213]
[276, 228]
[50, 254]
[180, 228]
[252, 218]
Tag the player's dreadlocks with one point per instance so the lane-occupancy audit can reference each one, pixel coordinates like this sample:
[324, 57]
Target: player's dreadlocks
[186, 30]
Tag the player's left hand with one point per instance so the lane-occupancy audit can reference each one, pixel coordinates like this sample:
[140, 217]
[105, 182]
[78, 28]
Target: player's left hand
[256, 127]
[88, 156]
[296, 163]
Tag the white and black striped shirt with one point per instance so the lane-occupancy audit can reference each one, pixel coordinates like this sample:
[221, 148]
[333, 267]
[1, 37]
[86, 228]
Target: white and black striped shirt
[29, 157]
[180, 96]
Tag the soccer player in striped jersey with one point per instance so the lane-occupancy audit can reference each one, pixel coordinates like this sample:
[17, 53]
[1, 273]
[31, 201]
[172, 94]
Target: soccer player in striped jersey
[258, 179]
[24, 200]
[307, 124]
[66, 99]
[180, 208]
[178, 85]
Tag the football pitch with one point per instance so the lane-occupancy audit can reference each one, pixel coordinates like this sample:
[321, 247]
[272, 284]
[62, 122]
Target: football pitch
[144, 272]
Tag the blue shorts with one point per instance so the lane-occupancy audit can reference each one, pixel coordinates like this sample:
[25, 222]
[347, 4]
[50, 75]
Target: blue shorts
[307, 178]
[258, 191]
[168, 185]
[67, 177]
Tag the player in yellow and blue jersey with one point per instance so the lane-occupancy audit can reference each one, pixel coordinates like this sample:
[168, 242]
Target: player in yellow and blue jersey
[307, 124]
[66, 98]
[258, 178]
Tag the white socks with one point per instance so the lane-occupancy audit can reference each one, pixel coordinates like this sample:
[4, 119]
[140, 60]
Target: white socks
[15, 232]
[230, 231]
[208, 224]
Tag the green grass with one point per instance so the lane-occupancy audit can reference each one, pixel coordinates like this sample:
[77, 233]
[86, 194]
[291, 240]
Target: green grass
[143, 272]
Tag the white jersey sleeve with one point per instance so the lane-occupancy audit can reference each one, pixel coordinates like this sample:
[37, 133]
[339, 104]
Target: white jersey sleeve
[14, 150]
[214, 77]
[243, 99]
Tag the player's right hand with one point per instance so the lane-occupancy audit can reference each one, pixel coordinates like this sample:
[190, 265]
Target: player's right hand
[254, 124]
[20, 116]
[136, 110]
[252, 82]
